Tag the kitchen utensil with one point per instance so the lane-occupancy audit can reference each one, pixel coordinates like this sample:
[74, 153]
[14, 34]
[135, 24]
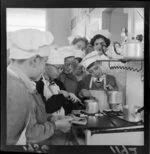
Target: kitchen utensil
[115, 99]
[91, 106]
[133, 49]
[101, 98]
[130, 114]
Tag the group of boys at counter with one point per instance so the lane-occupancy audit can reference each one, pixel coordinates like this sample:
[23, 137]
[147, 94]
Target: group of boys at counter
[43, 86]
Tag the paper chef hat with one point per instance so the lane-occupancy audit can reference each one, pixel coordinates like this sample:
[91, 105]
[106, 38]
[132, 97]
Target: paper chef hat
[79, 54]
[55, 58]
[90, 58]
[103, 32]
[26, 43]
[66, 51]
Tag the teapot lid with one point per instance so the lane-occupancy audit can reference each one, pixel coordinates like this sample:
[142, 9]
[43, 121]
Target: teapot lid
[90, 101]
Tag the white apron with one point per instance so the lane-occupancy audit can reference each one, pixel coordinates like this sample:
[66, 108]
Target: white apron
[22, 139]
[50, 90]
[101, 96]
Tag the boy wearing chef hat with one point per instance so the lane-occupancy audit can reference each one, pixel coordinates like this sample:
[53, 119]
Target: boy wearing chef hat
[100, 42]
[54, 68]
[67, 77]
[79, 71]
[96, 79]
[53, 89]
[27, 121]
[67, 53]
[78, 42]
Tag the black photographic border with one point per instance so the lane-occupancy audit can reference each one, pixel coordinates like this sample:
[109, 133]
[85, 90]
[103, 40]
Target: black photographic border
[75, 4]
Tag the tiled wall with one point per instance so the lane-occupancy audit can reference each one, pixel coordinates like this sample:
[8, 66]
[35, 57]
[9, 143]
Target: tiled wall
[134, 86]
[129, 81]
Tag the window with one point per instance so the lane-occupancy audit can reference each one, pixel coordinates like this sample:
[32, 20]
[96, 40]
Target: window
[25, 18]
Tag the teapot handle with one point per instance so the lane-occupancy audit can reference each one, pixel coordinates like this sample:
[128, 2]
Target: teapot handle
[140, 110]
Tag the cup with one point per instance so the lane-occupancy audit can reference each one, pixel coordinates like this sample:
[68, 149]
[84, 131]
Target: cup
[130, 113]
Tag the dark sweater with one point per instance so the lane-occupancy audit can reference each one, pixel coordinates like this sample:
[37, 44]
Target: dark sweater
[55, 102]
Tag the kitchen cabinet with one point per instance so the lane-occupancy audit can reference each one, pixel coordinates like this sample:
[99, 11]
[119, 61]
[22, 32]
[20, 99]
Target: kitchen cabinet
[106, 130]
[133, 138]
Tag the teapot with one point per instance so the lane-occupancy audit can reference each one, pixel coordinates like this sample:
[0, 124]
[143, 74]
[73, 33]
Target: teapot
[133, 49]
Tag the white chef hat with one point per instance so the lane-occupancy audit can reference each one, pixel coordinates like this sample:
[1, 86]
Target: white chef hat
[79, 54]
[91, 54]
[55, 58]
[103, 32]
[66, 51]
[26, 43]
[90, 58]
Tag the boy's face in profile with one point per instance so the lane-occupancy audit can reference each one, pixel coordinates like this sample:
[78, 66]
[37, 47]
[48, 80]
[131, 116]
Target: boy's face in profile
[96, 70]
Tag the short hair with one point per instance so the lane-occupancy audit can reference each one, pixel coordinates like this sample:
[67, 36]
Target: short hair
[68, 58]
[79, 59]
[98, 36]
[76, 40]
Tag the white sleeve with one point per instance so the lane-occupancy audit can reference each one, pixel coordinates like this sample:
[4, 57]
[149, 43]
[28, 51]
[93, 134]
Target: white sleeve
[55, 89]
[47, 93]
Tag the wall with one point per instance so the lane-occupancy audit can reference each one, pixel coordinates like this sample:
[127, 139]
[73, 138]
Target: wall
[135, 21]
[134, 86]
[23, 18]
[106, 15]
[114, 20]
[79, 17]
[58, 22]
[139, 22]
[86, 21]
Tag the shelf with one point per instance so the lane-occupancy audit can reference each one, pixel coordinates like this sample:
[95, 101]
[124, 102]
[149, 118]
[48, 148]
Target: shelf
[125, 59]
[132, 59]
